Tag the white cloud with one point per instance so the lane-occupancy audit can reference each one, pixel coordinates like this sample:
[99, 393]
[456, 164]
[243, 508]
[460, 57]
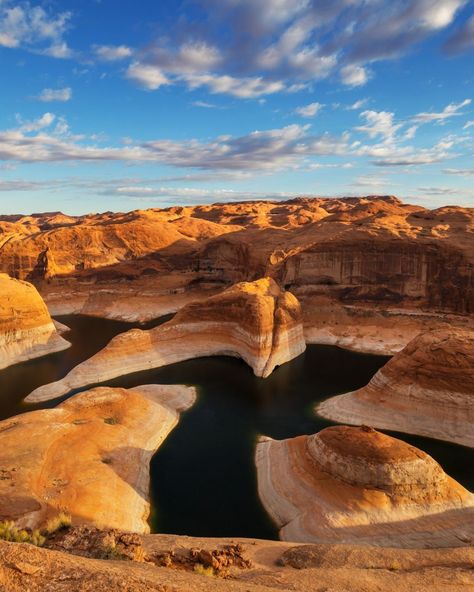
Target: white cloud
[353, 75]
[451, 110]
[358, 105]
[112, 53]
[309, 110]
[410, 132]
[287, 45]
[468, 124]
[260, 150]
[460, 172]
[243, 88]
[147, 76]
[379, 123]
[33, 28]
[37, 124]
[204, 105]
[48, 95]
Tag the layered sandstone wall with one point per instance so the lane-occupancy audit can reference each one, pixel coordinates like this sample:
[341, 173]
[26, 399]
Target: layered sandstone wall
[255, 321]
[347, 485]
[426, 389]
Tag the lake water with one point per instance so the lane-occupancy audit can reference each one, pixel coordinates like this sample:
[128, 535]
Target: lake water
[203, 480]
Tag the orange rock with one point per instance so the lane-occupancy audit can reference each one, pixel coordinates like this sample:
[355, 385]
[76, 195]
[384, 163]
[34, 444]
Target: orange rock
[347, 485]
[255, 321]
[26, 329]
[426, 389]
[88, 456]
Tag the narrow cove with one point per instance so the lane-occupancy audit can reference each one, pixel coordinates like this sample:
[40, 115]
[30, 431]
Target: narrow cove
[203, 481]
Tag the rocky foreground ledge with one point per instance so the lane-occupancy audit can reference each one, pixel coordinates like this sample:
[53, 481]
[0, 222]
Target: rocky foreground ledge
[88, 457]
[165, 563]
[255, 321]
[26, 328]
[359, 486]
[426, 389]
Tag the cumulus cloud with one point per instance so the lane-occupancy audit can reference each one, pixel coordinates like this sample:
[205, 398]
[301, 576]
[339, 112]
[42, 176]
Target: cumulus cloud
[451, 110]
[147, 76]
[462, 40]
[309, 110]
[379, 124]
[49, 95]
[291, 43]
[353, 75]
[33, 28]
[243, 88]
[112, 53]
[390, 155]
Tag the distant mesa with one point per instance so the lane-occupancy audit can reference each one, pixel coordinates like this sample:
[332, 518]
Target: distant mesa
[88, 457]
[426, 389]
[356, 485]
[256, 321]
[26, 328]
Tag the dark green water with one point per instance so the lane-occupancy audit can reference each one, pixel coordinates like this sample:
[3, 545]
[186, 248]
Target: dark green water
[203, 480]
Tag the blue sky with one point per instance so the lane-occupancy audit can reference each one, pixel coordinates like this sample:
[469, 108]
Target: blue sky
[108, 105]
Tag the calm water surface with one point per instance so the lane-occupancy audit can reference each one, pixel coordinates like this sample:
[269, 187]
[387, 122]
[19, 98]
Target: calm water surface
[203, 480]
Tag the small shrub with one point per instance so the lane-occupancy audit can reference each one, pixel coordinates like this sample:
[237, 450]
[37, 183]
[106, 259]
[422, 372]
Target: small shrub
[111, 420]
[59, 522]
[395, 565]
[204, 571]
[111, 552]
[10, 532]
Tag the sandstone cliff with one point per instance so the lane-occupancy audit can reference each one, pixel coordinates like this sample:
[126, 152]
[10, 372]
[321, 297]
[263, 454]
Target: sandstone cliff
[360, 256]
[26, 329]
[426, 389]
[356, 485]
[255, 321]
[87, 457]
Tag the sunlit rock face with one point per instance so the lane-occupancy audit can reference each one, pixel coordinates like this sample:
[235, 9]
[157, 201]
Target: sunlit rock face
[426, 389]
[347, 484]
[372, 252]
[88, 457]
[255, 321]
[26, 328]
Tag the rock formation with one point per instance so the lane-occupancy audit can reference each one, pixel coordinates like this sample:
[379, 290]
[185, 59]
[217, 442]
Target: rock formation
[426, 389]
[256, 321]
[275, 566]
[87, 457]
[356, 485]
[361, 258]
[26, 329]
